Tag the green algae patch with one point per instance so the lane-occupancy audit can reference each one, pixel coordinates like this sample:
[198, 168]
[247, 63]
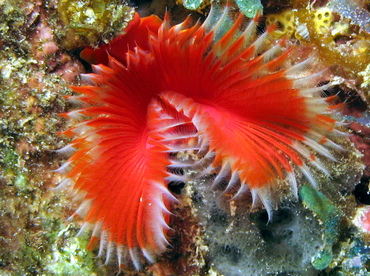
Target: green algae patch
[250, 7]
[331, 218]
[323, 259]
[192, 4]
[69, 256]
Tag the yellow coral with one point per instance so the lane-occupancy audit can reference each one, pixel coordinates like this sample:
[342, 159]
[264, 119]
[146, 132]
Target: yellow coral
[284, 21]
[323, 18]
[287, 25]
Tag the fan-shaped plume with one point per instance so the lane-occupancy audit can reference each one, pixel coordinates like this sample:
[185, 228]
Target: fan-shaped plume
[214, 88]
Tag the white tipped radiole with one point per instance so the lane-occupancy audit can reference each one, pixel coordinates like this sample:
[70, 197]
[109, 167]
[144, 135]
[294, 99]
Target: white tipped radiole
[244, 124]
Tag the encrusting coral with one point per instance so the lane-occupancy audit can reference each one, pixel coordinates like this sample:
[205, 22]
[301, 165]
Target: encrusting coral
[247, 105]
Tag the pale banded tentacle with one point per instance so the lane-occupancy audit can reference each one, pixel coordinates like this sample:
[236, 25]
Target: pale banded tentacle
[233, 182]
[291, 178]
[243, 189]
[318, 148]
[222, 174]
[83, 209]
[104, 239]
[216, 23]
[109, 252]
[85, 228]
[306, 80]
[66, 183]
[314, 90]
[262, 194]
[294, 72]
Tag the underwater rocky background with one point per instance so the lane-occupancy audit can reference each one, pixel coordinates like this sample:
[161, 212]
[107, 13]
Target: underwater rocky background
[323, 233]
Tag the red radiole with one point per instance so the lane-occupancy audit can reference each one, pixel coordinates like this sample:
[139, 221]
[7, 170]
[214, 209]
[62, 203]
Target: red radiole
[237, 99]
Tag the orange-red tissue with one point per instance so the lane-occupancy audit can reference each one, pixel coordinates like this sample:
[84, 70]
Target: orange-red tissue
[254, 116]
